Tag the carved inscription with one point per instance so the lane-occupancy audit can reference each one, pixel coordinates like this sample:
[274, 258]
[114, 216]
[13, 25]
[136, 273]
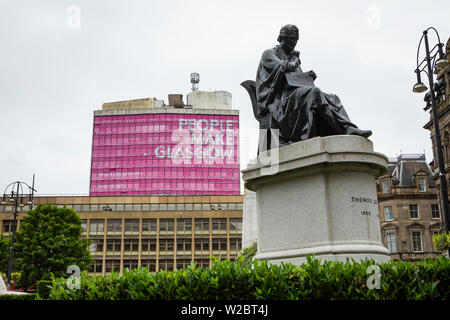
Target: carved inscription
[364, 200]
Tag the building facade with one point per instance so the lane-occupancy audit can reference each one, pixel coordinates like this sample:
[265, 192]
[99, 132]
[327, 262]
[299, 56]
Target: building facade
[443, 111]
[158, 232]
[164, 184]
[409, 209]
[142, 149]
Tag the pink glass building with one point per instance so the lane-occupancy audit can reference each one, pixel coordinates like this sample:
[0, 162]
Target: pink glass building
[165, 151]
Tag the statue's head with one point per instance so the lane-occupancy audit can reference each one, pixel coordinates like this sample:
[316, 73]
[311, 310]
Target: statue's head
[288, 37]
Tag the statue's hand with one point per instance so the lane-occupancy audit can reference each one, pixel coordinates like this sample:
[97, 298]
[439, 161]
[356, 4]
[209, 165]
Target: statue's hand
[293, 64]
[295, 53]
[312, 74]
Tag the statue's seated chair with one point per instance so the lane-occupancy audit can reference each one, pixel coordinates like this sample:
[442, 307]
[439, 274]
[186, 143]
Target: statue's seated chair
[268, 135]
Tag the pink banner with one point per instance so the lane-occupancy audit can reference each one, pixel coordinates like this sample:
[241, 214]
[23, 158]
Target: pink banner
[165, 154]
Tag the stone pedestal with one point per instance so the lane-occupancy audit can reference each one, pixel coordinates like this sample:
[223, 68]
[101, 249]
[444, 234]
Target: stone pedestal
[249, 222]
[318, 197]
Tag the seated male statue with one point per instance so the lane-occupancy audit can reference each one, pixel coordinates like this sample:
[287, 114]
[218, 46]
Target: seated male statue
[298, 109]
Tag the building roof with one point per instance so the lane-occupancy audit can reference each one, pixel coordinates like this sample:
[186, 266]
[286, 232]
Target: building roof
[404, 167]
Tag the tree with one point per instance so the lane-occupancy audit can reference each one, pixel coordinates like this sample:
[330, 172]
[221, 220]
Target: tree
[4, 253]
[49, 241]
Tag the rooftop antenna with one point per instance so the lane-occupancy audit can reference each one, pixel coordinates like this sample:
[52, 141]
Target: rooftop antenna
[195, 79]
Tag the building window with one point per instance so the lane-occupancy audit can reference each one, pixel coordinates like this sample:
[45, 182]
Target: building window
[113, 247]
[435, 214]
[96, 227]
[417, 241]
[201, 225]
[96, 266]
[148, 226]
[391, 242]
[131, 246]
[386, 187]
[149, 264]
[202, 246]
[114, 226]
[184, 246]
[422, 184]
[235, 225]
[130, 264]
[96, 248]
[7, 226]
[148, 246]
[219, 247]
[166, 247]
[184, 225]
[166, 225]
[219, 226]
[202, 263]
[388, 214]
[131, 226]
[183, 263]
[83, 226]
[235, 245]
[413, 211]
[166, 264]
[112, 265]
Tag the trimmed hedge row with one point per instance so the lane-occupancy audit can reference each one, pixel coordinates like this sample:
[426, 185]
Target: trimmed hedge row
[30, 296]
[226, 280]
[43, 289]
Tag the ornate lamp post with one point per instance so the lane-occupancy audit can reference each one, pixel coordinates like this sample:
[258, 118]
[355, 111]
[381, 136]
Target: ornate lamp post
[434, 59]
[14, 193]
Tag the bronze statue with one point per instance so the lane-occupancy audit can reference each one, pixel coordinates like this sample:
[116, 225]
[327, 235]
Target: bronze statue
[285, 98]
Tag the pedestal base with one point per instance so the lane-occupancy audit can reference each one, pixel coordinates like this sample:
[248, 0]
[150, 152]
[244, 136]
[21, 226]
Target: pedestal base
[318, 197]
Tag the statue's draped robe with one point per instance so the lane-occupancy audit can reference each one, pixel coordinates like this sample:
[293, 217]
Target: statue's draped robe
[299, 110]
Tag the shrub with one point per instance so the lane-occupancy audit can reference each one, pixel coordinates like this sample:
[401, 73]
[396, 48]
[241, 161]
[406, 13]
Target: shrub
[226, 280]
[441, 241]
[249, 253]
[27, 297]
[43, 289]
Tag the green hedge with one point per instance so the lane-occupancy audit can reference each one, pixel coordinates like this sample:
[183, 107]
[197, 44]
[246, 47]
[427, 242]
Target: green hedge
[43, 289]
[30, 296]
[226, 280]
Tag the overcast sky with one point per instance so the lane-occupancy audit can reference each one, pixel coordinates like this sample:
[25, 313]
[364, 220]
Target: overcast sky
[60, 60]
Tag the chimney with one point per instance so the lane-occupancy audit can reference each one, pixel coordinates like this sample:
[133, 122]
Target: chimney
[176, 100]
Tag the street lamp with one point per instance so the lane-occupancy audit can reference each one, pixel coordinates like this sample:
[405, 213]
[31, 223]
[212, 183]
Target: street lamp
[14, 193]
[430, 62]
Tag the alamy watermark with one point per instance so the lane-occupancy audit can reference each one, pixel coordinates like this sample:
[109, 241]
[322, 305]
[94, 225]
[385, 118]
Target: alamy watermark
[73, 21]
[374, 281]
[373, 21]
[74, 280]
